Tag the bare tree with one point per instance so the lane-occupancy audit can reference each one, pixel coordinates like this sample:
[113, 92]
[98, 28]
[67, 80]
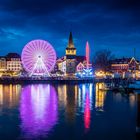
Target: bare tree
[102, 60]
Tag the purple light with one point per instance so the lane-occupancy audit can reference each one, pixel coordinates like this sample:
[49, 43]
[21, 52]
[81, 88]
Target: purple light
[38, 110]
[38, 56]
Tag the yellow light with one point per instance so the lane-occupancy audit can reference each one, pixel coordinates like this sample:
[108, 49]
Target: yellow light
[1, 94]
[119, 65]
[70, 52]
[62, 95]
[100, 95]
[100, 74]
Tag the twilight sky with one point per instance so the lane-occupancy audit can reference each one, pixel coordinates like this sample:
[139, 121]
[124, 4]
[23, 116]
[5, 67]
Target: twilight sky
[106, 24]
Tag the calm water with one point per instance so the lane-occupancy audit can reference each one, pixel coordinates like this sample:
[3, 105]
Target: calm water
[69, 112]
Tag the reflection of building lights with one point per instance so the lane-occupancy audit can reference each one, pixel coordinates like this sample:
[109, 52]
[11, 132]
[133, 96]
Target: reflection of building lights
[85, 91]
[90, 94]
[1, 94]
[10, 93]
[76, 93]
[38, 110]
[87, 112]
[70, 104]
[9, 96]
[138, 114]
[62, 94]
[100, 96]
[79, 96]
[132, 100]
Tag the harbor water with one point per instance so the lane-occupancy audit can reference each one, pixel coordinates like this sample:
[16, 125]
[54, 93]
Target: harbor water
[66, 112]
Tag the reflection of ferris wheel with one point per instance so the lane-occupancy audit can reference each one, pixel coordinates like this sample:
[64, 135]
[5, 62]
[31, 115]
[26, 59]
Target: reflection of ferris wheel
[38, 57]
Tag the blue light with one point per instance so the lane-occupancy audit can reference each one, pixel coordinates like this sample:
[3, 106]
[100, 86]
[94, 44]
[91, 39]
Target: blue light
[87, 72]
[90, 73]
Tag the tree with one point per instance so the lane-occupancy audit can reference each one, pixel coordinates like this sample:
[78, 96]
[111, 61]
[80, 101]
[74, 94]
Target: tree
[102, 60]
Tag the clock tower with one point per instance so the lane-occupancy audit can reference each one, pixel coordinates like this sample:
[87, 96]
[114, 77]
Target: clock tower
[70, 50]
[70, 57]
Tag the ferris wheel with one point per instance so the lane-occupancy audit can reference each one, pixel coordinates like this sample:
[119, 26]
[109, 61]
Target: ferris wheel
[38, 57]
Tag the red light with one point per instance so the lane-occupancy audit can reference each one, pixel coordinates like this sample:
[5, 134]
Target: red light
[87, 54]
[87, 112]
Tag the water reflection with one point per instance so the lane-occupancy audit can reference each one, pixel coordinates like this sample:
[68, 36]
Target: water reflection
[100, 96]
[62, 95]
[74, 108]
[138, 115]
[74, 99]
[85, 102]
[70, 103]
[38, 110]
[88, 106]
[9, 95]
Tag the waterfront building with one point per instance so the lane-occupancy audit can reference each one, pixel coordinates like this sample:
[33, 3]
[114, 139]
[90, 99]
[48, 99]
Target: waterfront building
[10, 65]
[71, 63]
[80, 63]
[61, 64]
[126, 67]
[13, 62]
[80, 67]
[3, 66]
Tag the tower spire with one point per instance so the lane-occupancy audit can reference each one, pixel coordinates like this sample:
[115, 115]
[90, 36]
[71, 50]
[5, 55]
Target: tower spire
[70, 44]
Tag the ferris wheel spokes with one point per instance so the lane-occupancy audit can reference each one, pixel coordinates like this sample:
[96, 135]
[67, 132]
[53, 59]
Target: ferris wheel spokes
[40, 68]
[38, 58]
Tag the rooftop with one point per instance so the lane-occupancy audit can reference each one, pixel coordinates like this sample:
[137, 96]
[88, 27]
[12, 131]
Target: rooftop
[123, 60]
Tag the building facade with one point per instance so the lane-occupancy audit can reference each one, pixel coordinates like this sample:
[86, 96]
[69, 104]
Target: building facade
[61, 63]
[3, 64]
[80, 67]
[71, 64]
[13, 62]
[125, 67]
[10, 65]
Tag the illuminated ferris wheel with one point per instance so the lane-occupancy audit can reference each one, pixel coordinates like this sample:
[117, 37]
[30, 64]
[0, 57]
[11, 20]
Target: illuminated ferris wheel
[38, 57]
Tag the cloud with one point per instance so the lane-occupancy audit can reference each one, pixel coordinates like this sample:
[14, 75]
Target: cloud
[106, 24]
[10, 34]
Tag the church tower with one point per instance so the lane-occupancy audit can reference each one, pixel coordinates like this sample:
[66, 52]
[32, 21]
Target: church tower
[70, 50]
[70, 57]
